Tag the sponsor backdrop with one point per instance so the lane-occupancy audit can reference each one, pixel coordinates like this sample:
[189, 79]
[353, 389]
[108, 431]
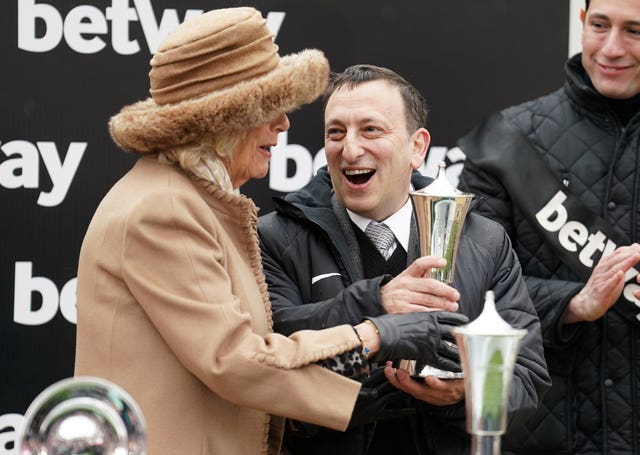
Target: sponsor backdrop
[68, 65]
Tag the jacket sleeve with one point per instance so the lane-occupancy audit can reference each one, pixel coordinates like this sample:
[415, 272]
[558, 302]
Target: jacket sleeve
[550, 297]
[289, 277]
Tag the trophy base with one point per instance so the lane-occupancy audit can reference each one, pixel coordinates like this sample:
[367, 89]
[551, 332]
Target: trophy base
[417, 370]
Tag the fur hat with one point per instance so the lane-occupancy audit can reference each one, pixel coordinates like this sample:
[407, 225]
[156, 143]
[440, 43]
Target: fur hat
[219, 72]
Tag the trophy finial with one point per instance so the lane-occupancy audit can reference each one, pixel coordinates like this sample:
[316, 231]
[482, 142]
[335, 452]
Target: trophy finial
[489, 322]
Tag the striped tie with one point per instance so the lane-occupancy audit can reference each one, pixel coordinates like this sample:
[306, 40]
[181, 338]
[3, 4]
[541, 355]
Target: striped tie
[381, 236]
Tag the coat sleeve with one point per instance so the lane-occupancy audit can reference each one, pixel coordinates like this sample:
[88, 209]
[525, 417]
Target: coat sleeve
[289, 257]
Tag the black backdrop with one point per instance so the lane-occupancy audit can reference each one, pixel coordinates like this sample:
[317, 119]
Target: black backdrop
[69, 65]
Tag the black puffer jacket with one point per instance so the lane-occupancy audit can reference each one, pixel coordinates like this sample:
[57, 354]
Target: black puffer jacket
[594, 404]
[315, 281]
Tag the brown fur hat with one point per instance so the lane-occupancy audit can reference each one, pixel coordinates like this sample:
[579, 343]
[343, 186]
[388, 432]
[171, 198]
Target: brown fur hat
[217, 73]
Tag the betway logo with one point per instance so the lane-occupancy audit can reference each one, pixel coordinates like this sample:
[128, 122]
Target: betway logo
[22, 168]
[576, 238]
[83, 26]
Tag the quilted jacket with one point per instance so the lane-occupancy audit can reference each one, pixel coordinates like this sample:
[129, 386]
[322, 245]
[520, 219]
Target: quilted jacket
[315, 280]
[594, 403]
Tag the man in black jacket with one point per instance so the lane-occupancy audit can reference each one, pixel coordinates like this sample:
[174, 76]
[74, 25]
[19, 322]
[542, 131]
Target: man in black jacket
[560, 173]
[322, 270]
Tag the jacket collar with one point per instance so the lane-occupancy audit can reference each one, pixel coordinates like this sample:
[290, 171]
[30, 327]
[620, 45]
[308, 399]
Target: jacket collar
[587, 99]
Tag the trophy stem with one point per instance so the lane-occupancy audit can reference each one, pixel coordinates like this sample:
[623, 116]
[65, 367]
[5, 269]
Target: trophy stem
[488, 444]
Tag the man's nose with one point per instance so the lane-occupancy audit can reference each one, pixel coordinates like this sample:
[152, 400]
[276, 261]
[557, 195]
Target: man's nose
[351, 148]
[614, 45]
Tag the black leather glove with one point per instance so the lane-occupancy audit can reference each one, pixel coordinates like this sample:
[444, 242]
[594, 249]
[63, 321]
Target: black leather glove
[378, 399]
[422, 336]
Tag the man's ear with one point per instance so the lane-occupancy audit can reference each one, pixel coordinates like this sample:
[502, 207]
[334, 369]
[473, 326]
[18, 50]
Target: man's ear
[420, 143]
[582, 13]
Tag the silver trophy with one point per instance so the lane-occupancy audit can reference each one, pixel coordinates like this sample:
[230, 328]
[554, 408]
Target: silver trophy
[488, 349]
[83, 416]
[440, 211]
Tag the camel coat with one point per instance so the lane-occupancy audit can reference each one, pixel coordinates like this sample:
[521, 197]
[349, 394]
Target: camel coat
[173, 307]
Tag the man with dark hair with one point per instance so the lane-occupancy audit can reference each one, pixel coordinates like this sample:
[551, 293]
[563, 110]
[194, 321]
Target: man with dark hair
[560, 173]
[322, 270]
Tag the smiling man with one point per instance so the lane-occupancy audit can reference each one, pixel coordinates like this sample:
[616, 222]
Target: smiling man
[323, 270]
[560, 173]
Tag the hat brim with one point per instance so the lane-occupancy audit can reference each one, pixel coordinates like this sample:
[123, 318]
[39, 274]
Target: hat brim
[146, 127]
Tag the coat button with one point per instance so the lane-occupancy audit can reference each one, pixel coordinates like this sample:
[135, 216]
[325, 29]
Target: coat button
[611, 205]
[608, 382]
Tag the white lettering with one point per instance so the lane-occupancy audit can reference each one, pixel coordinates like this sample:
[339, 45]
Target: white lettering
[274, 22]
[628, 294]
[9, 426]
[28, 13]
[82, 25]
[596, 243]
[319, 160]
[61, 173]
[631, 273]
[153, 32]
[24, 169]
[85, 20]
[430, 167]
[75, 26]
[299, 155]
[437, 153]
[571, 233]
[68, 301]
[120, 14]
[26, 284]
[553, 216]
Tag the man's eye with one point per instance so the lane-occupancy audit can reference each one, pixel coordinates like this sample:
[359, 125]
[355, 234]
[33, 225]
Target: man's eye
[334, 133]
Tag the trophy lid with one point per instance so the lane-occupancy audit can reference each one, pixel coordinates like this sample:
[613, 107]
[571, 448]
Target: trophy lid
[83, 415]
[489, 322]
[441, 185]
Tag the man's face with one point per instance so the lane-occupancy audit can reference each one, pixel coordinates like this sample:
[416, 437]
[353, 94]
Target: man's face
[611, 47]
[370, 153]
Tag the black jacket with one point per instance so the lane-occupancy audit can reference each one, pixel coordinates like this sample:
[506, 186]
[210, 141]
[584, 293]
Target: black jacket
[315, 281]
[594, 404]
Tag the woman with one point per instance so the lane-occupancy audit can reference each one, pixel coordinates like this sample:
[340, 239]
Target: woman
[172, 302]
